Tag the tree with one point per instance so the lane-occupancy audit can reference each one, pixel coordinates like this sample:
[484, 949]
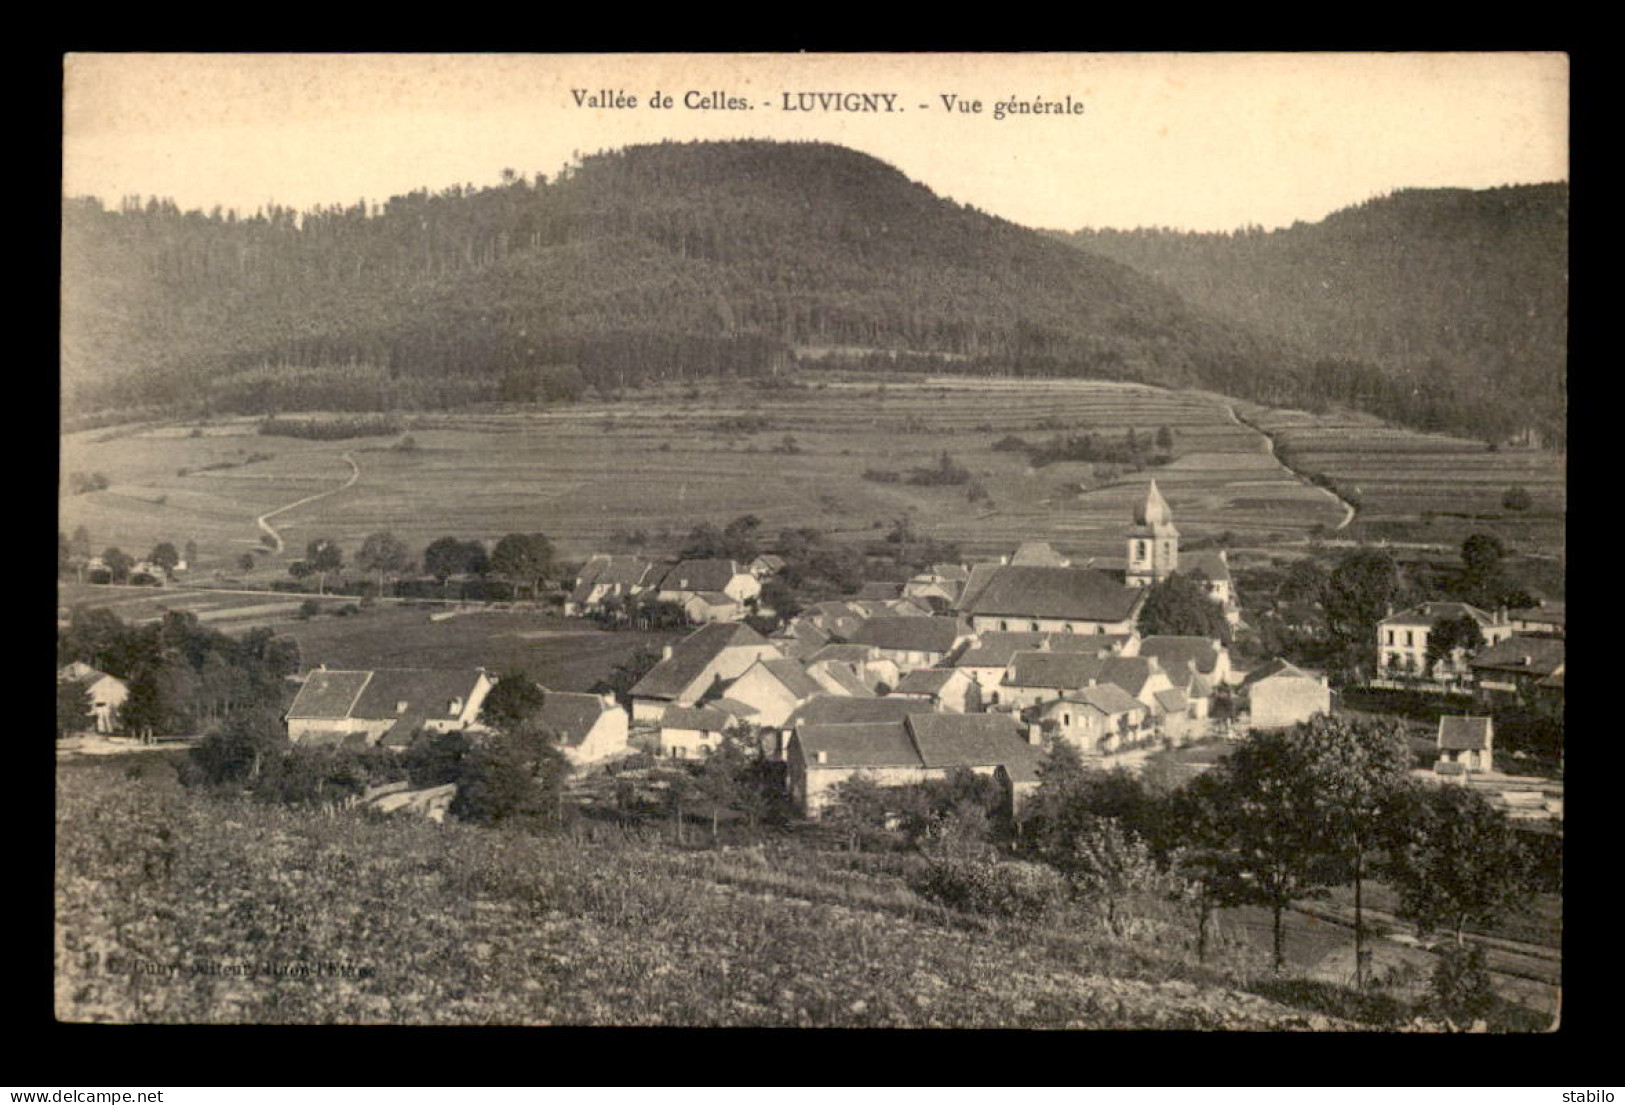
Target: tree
[1358, 594]
[514, 698]
[1516, 499]
[1356, 766]
[383, 553]
[245, 562]
[80, 543]
[718, 785]
[448, 556]
[165, 556]
[74, 710]
[857, 809]
[626, 675]
[1105, 864]
[1304, 581]
[1446, 635]
[1179, 605]
[323, 555]
[239, 749]
[1460, 990]
[1267, 816]
[1482, 554]
[118, 563]
[1454, 859]
[523, 558]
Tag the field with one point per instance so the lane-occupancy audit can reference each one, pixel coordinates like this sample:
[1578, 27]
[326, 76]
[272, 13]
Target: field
[172, 907]
[662, 462]
[1427, 487]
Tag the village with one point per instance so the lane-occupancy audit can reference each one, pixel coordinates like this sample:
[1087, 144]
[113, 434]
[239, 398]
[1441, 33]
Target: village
[962, 667]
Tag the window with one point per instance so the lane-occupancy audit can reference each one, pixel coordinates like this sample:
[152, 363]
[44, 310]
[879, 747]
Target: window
[1390, 636]
[1139, 550]
[1409, 638]
[1034, 625]
[1066, 719]
[1004, 626]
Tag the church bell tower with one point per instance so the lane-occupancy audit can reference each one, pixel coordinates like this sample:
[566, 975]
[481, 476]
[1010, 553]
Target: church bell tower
[1153, 542]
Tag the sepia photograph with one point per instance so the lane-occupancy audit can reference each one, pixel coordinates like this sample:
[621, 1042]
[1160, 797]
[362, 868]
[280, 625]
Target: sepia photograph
[1050, 541]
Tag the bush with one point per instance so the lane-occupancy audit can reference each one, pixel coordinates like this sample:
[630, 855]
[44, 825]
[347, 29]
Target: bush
[309, 608]
[1023, 892]
[1461, 991]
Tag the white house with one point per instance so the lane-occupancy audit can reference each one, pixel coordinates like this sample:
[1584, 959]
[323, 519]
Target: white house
[688, 670]
[590, 727]
[1280, 694]
[107, 693]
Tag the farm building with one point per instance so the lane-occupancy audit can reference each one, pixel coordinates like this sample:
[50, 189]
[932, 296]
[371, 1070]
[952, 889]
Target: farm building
[987, 655]
[107, 693]
[1466, 743]
[590, 727]
[911, 642]
[689, 669]
[1402, 638]
[1547, 619]
[1005, 598]
[1282, 694]
[388, 706]
[1208, 658]
[688, 578]
[904, 751]
[844, 677]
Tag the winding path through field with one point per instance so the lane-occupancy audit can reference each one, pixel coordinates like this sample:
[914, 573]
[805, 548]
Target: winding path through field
[263, 521]
[1271, 447]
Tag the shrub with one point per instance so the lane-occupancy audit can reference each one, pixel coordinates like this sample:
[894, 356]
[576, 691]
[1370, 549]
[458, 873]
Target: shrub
[1461, 989]
[309, 608]
[1015, 891]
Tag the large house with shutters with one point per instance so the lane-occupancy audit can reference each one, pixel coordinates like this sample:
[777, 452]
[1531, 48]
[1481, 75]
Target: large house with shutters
[1402, 638]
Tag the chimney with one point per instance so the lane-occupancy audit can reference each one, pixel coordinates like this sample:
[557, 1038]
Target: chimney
[1035, 734]
[665, 652]
[608, 700]
[823, 756]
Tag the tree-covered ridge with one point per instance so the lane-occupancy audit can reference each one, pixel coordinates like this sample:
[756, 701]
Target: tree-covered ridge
[1445, 308]
[651, 262]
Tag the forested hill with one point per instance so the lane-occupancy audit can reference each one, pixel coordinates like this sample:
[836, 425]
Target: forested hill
[1448, 290]
[650, 262]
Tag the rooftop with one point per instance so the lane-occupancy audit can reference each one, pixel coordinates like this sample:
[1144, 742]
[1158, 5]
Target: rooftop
[691, 656]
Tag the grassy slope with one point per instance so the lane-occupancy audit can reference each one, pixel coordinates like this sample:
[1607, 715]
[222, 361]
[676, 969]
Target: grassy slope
[456, 925]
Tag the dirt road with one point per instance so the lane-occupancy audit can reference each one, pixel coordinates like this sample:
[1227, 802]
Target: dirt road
[264, 520]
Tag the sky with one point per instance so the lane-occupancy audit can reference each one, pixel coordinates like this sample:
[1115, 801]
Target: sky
[1191, 141]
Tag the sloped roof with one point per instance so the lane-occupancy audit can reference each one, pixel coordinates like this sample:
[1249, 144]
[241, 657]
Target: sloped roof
[831, 709]
[1108, 699]
[1429, 612]
[947, 571]
[1470, 733]
[1077, 593]
[608, 570]
[1060, 670]
[858, 744]
[1549, 613]
[994, 650]
[793, 676]
[1533, 655]
[908, 634]
[924, 680]
[970, 740]
[879, 591]
[734, 708]
[1199, 652]
[329, 694]
[1210, 562]
[1129, 672]
[846, 653]
[571, 715]
[1275, 668]
[1154, 510]
[1039, 553]
[699, 575]
[691, 656]
[428, 692]
[1172, 701]
[705, 719]
[847, 681]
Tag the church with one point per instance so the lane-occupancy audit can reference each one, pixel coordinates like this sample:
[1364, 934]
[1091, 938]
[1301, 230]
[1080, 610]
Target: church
[1044, 594]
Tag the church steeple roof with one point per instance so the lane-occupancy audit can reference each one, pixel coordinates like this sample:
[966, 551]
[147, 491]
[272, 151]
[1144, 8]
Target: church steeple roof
[1154, 511]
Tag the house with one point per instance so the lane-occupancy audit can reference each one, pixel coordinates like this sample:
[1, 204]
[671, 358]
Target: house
[1515, 668]
[1281, 694]
[829, 709]
[1402, 638]
[1021, 598]
[841, 678]
[386, 706]
[938, 583]
[603, 577]
[952, 689]
[800, 638]
[1206, 656]
[687, 578]
[1036, 676]
[590, 727]
[871, 665]
[107, 693]
[987, 655]
[1467, 743]
[688, 670]
[879, 591]
[703, 607]
[910, 642]
[766, 565]
[905, 752]
[773, 687]
[1213, 568]
[1039, 554]
[1548, 618]
[1097, 719]
[691, 732]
